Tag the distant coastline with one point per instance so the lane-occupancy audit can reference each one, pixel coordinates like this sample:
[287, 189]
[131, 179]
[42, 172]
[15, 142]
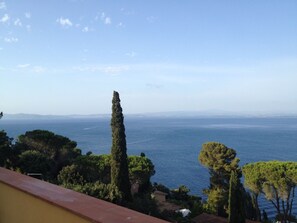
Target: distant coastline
[181, 114]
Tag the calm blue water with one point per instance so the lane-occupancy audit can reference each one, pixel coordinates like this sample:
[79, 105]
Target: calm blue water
[174, 144]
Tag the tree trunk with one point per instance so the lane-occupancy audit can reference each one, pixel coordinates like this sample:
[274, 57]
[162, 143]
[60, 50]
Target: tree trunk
[276, 207]
[284, 211]
[277, 201]
[291, 203]
[256, 206]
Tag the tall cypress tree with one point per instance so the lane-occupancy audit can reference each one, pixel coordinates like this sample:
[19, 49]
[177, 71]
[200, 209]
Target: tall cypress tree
[235, 205]
[119, 161]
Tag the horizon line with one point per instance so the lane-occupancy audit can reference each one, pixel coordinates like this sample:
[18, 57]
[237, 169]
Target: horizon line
[206, 113]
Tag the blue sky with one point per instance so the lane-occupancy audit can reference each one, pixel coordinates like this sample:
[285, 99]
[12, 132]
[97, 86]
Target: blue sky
[67, 57]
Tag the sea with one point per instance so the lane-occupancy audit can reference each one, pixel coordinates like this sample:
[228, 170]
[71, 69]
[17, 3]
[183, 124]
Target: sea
[173, 143]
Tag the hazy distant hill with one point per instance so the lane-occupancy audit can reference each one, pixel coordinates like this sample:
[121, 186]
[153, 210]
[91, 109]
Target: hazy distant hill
[181, 114]
[43, 117]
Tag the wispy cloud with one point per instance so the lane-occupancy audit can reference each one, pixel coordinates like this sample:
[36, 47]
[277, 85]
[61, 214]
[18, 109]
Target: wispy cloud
[151, 19]
[113, 70]
[17, 22]
[5, 18]
[2, 5]
[120, 25]
[106, 69]
[11, 39]
[154, 86]
[28, 15]
[131, 54]
[127, 12]
[106, 19]
[38, 69]
[23, 65]
[28, 27]
[96, 17]
[163, 71]
[86, 29]
[102, 16]
[28, 68]
[64, 22]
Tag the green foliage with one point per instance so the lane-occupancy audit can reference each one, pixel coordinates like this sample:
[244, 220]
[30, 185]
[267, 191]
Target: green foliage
[181, 198]
[89, 167]
[92, 168]
[162, 188]
[145, 204]
[61, 150]
[70, 175]
[6, 152]
[89, 153]
[276, 180]
[173, 216]
[180, 193]
[236, 212]
[140, 169]
[119, 161]
[290, 218]
[86, 169]
[46, 142]
[32, 161]
[183, 190]
[233, 198]
[219, 158]
[108, 192]
[216, 199]
[221, 161]
[252, 211]
[142, 154]
[196, 208]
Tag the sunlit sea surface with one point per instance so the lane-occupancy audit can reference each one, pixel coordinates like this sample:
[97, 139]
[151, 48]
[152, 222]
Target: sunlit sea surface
[173, 144]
